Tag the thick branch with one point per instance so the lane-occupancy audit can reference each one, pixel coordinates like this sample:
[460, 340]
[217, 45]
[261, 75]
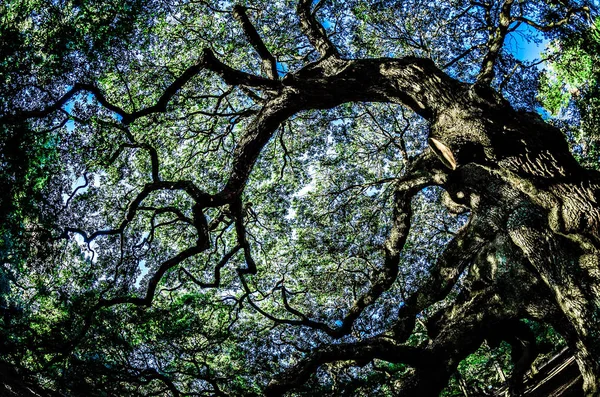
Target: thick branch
[269, 62]
[362, 351]
[257, 134]
[562, 266]
[314, 31]
[458, 254]
[240, 230]
[235, 77]
[414, 82]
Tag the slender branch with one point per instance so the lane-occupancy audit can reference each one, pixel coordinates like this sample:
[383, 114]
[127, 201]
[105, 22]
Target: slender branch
[144, 301]
[99, 95]
[86, 183]
[553, 25]
[48, 109]
[495, 43]
[198, 196]
[217, 277]
[152, 374]
[149, 148]
[461, 56]
[208, 61]
[305, 321]
[152, 284]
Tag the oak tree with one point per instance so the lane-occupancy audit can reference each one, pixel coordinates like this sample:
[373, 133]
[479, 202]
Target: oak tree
[313, 197]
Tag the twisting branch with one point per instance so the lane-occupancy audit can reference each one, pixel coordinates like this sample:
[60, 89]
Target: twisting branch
[152, 284]
[553, 25]
[208, 61]
[151, 374]
[363, 351]
[217, 278]
[77, 88]
[419, 176]
[459, 253]
[459, 330]
[138, 301]
[86, 182]
[269, 64]
[304, 321]
[314, 31]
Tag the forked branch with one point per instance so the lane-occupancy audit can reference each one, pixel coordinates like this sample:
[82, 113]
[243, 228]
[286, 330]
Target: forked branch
[208, 61]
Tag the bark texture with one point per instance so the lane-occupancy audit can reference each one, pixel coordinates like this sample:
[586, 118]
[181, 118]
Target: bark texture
[527, 196]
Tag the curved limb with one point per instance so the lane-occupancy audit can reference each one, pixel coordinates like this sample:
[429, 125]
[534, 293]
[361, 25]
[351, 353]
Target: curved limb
[458, 254]
[367, 350]
[421, 174]
[476, 314]
[489, 307]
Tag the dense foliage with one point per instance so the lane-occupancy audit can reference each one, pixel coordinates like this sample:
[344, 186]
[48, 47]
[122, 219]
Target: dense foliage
[569, 88]
[118, 121]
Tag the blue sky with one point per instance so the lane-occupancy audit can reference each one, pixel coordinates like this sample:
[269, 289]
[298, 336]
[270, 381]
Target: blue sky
[523, 50]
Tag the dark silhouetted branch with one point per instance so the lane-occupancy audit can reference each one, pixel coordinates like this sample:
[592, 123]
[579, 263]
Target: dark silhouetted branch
[365, 351]
[268, 60]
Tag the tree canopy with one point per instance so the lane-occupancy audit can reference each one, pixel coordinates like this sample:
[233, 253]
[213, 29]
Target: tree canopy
[333, 197]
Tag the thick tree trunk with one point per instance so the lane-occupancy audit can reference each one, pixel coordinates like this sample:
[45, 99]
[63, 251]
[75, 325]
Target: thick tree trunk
[516, 175]
[552, 211]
